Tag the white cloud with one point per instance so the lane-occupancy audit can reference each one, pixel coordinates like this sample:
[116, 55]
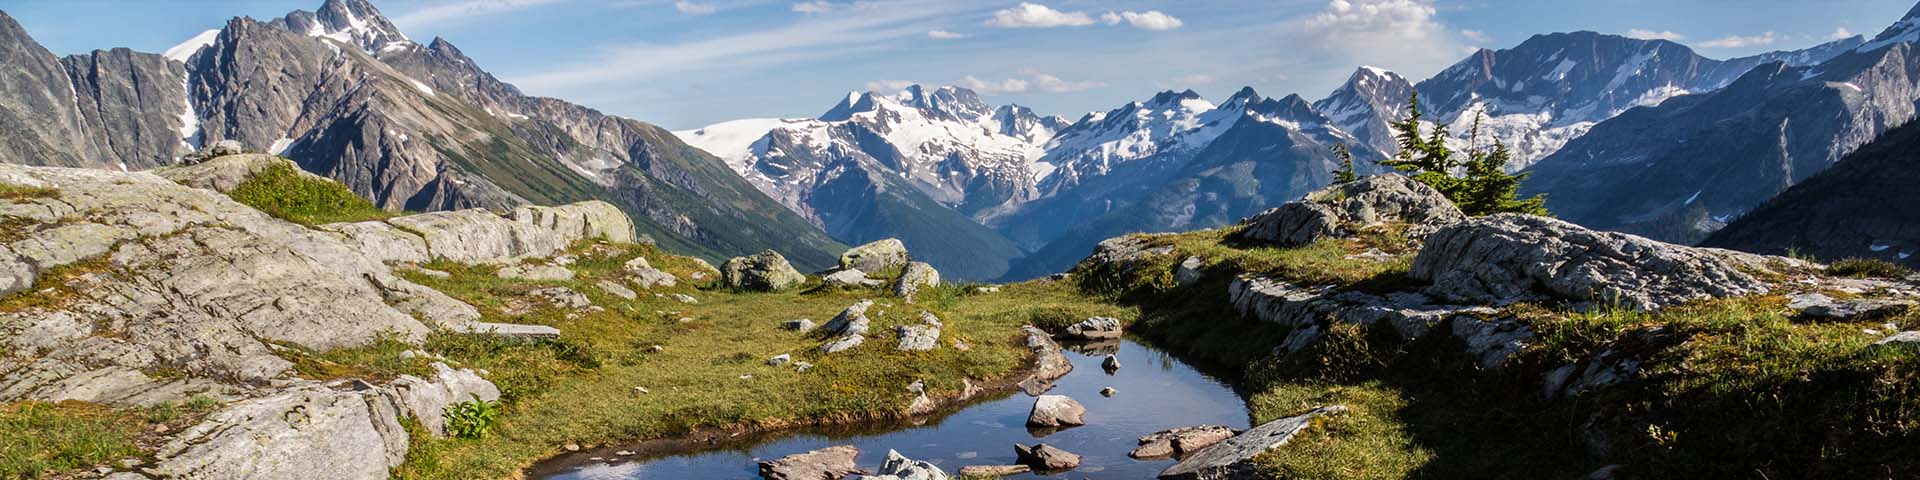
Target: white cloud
[1034, 15]
[1193, 80]
[1645, 34]
[1737, 41]
[815, 6]
[1148, 20]
[1839, 33]
[1404, 35]
[945, 35]
[1474, 35]
[693, 8]
[461, 10]
[1028, 82]
[889, 87]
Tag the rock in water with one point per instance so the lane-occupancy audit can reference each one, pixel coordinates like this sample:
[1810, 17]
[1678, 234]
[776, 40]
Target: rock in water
[916, 277]
[993, 471]
[1233, 458]
[762, 272]
[1338, 210]
[1507, 258]
[1056, 411]
[1108, 392]
[878, 256]
[829, 463]
[1096, 328]
[1045, 458]
[1180, 441]
[1111, 363]
[899, 467]
[1049, 362]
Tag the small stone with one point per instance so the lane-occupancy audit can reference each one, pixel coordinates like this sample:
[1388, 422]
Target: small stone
[1107, 392]
[684, 298]
[781, 359]
[801, 325]
[1111, 363]
[641, 391]
[624, 453]
[802, 367]
[993, 471]
[656, 349]
[746, 377]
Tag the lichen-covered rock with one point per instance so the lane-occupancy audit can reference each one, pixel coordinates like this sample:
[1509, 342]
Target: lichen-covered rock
[762, 272]
[851, 321]
[1188, 272]
[829, 463]
[616, 289]
[650, 278]
[1056, 411]
[1341, 209]
[349, 434]
[878, 256]
[844, 343]
[916, 277]
[1233, 458]
[1507, 258]
[426, 399]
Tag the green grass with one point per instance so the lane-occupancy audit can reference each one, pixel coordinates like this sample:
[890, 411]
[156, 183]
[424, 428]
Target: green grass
[59, 440]
[286, 193]
[1732, 388]
[10, 191]
[55, 287]
[580, 390]
[1868, 268]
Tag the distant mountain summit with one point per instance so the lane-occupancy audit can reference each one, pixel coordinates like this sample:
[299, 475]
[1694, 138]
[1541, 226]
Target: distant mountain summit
[1863, 207]
[345, 94]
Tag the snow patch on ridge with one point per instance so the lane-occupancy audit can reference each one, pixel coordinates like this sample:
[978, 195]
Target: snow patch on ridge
[186, 49]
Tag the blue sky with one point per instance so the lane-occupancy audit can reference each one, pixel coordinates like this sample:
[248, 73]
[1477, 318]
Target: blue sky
[688, 63]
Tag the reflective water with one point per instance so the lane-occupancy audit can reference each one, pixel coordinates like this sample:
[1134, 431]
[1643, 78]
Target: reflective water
[1155, 392]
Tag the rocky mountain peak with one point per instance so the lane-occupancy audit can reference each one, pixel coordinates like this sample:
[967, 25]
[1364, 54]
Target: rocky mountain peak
[354, 22]
[946, 102]
[1906, 30]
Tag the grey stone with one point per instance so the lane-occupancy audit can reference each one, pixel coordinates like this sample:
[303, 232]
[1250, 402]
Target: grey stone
[589, 220]
[1908, 340]
[650, 278]
[1094, 328]
[765, 272]
[223, 173]
[800, 325]
[1342, 209]
[510, 330]
[851, 321]
[382, 241]
[1118, 256]
[829, 463]
[684, 298]
[427, 399]
[1188, 272]
[899, 467]
[1233, 458]
[563, 297]
[1507, 258]
[1056, 411]
[1049, 362]
[993, 471]
[1110, 363]
[479, 236]
[843, 343]
[917, 338]
[849, 278]
[1045, 458]
[1491, 342]
[1181, 441]
[916, 277]
[781, 359]
[1820, 306]
[616, 289]
[877, 256]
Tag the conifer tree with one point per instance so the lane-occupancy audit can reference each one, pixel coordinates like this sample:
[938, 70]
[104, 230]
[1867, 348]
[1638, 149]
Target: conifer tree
[1345, 174]
[1477, 182]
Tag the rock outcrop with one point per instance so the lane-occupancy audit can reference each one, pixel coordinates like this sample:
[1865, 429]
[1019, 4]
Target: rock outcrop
[1343, 209]
[1233, 458]
[1180, 441]
[766, 271]
[1056, 411]
[1507, 258]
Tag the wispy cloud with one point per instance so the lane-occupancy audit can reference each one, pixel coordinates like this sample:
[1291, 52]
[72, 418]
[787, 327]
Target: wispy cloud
[1029, 81]
[1839, 33]
[944, 35]
[1148, 20]
[1645, 34]
[1737, 41]
[815, 6]
[694, 8]
[1474, 35]
[1405, 35]
[1034, 15]
[808, 39]
[889, 87]
[455, 11]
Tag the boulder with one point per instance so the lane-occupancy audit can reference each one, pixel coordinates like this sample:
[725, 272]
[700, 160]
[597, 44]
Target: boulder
[916, 277]
[216, 150]
[532, 333]
[1180, 441]
[1045, 458]
[843, 343]
[535, 272]
[425, 399]
[878, 256]
[616, 289]
[829, 463]
[1095, 328]
[761, 272]
[1188, 272]
[1340, 210]
[381, 241]
[589, 220]
[917, 338]
[1108, 392]
[1507, 258]
[1049, 362]
[636, 264]
[349, 434]
[1233, 457]
[781, 359]
[799, 325]
[899, 467]
[851, 321]
[1056, 411]
[1909, 340]
[849, 278]
[1118, 256]
[1821, 307]
[649, 278]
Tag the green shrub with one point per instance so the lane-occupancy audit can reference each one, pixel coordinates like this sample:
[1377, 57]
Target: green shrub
[16, 192]
[472, 418]
[288, 194]
[1867, 268]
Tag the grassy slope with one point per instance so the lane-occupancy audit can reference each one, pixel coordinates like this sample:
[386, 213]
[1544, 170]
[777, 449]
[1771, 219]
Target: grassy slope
[580, 390]
[1745, 390]
[284, 193]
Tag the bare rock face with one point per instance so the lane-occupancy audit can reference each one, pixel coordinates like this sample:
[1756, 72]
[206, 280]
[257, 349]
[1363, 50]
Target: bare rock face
[1056, 411]
[479, 236]
[182, 279]
[1338, 210]
[829, 463]
[878, 256]
[1233, 458]
[1506, 258]
[766, 271]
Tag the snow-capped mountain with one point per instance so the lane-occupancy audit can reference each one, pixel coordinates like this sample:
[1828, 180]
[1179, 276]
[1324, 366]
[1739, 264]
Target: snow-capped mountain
[1169, 123]
[1364, 105]
[1681, 170]
[346, 95]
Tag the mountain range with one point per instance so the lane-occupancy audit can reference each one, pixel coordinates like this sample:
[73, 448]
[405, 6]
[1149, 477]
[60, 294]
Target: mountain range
[415, 127]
